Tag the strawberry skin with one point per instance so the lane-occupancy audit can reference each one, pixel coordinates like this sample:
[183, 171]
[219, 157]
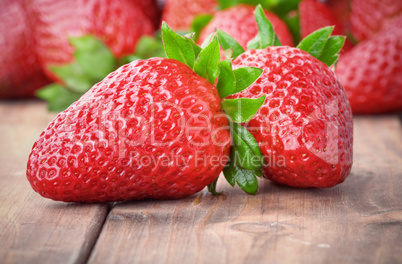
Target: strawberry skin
[20, 71]
[304, 127]
[179, 14]
[118, 23]
[371, 16]
[371, 73]
[315, 15]
[239, 22]
[140, 133]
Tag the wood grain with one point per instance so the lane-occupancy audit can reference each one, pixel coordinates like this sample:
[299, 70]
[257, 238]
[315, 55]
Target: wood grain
[34, 229]
[359, 221]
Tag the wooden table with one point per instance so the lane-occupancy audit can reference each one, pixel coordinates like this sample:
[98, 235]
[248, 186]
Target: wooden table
[359, 221]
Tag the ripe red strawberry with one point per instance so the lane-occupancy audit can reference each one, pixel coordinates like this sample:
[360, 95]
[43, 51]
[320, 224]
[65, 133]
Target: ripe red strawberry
[118, 23]
[239, 22]
[315, 15]
[371, 73]
[20, 71]
[305, 124]
[121, 139]
[371, 16]
[179, 14]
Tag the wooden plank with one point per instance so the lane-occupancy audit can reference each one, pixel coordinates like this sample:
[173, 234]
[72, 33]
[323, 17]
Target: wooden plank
[359, 221]
[34, 229]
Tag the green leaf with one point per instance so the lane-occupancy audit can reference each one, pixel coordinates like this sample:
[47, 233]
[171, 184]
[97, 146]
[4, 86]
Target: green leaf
[246, 179]
[245, 77]
[177, 47]
[93, 56]
[226, 80]
[266, 36]
[331, 51]
[242, 109]
[212, 187]
[281, 7]
[228, 42]
[224, 4]
[258, 173]
[314, 43]
[207, 63]
[57, 96]
[73, 76]
[199, 22]
[247, 151]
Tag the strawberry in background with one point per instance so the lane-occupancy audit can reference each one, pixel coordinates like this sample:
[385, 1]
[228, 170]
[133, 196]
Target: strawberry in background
[371, 72]
[179, 14]
[371, 16]
[20, 71]
[239, 22]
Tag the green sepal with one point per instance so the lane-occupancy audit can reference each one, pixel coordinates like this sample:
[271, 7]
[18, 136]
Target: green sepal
[246, 179]
[73, 77]
[207, 63]
[178, 47]
[57, 97]
[266, 36]
[227, 42]
[314, 43]
[245, 77]
[226, 80]
[234, 81]
[199, 22]
[248, 153]
[93, 56]
[212, 187]
[331, 51]
[242, 109]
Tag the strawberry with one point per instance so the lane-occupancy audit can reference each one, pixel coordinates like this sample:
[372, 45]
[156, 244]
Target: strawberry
[179, 14]
[315, 15]
[304, 128]
[239, 22]
[151, 10]
[119, 24]
[371, 72]
[20, 71]
[151, 129]
[371, 16]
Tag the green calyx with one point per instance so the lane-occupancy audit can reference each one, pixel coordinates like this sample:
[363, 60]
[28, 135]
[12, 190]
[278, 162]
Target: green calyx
[92, 62]
[246, 159]
[279, 7]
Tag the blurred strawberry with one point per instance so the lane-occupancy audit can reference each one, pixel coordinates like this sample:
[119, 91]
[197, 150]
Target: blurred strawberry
[341, 10]
[179, 14]
[371, 16]
[315, 15]
[20, 71]
[151, 10]
[371, 73]
[239, 22]
[118, 23]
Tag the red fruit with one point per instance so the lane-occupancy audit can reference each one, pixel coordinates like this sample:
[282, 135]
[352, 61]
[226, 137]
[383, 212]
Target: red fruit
[304, 128]
[119, 23]
[239, 22]
[148, 130]
[371, 16]
[371, 73]
[179, 14]
[315, 15]
[20, 71]
[151, 10]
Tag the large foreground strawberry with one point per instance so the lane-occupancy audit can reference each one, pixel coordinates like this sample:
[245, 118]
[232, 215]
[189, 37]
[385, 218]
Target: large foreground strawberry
[151, 129]
[371, 73]
[20, 71]
[304, 128]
